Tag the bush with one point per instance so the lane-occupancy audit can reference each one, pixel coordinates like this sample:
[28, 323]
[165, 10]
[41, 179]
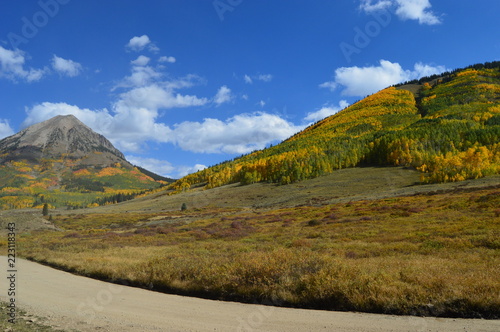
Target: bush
[314, 222]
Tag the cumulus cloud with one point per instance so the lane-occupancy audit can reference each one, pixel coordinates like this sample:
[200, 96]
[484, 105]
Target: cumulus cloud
[167, 59]
[417, 10]
[12, 67]
[422, 70]
[326, 111]
[155, 96]
[405, 9]
[140, 76]
[66, 67]
[141, 61]
[223, 95]
[5, 129]
[362, 81]
[240, 134]
[139, 43]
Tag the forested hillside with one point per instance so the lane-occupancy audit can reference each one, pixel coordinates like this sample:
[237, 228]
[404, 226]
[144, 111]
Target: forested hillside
[60, 184]
[447, 127]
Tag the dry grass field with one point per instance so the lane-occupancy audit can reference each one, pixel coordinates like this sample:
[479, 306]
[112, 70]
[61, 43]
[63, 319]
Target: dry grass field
[365, 239]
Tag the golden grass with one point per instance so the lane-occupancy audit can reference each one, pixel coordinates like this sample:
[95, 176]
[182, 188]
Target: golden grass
[427, 254]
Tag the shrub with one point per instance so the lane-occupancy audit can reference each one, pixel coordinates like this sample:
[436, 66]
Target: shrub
[314, 222]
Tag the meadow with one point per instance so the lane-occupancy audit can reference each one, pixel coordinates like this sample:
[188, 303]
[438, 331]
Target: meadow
[434, 253]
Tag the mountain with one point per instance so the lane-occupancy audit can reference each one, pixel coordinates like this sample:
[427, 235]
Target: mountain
[446, 126]
[64, 163]
[61, 136]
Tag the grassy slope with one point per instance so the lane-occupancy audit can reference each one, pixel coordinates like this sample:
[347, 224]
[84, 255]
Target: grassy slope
[436, 253]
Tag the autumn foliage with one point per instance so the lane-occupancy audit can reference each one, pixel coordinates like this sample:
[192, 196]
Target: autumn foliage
[59, 184]
[449, 130]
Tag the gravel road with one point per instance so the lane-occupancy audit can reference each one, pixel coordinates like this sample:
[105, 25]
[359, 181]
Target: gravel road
[76, 303]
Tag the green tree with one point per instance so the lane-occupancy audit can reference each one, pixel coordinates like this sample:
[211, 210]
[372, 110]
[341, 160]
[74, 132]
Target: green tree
[45, 210]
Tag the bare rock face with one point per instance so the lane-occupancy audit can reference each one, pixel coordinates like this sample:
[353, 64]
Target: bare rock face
[63, 136]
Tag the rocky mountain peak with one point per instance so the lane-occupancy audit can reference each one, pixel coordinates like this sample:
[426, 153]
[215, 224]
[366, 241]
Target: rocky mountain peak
[61, 136]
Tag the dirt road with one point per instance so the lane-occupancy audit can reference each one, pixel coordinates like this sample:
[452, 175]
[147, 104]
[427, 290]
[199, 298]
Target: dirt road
[76, 303]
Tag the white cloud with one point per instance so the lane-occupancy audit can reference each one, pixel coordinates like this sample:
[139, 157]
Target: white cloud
[240, 134]
[405, 9]
[182, 171]
[329, 85]
[156, 96]
[362, 81]
[12, 67]
[167, 59]
[417, 10]
[141, 61]
[261, 77]
[66, 67]
[248, 79]
[262, 103]
[5, 129]
[422, 70]
[223, 95]
[137, 44]
[265, 78]
[367, 80]
[367, 6]
[326, 111]
[140, 76]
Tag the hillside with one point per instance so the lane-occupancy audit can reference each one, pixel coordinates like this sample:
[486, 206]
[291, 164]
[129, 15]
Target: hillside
[446, 127]
[63, 163]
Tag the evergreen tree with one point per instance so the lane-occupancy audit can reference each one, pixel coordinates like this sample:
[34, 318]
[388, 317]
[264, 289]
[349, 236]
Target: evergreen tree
[45, 210]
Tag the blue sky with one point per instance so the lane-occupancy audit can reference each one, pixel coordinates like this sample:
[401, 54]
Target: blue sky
[179, 85]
